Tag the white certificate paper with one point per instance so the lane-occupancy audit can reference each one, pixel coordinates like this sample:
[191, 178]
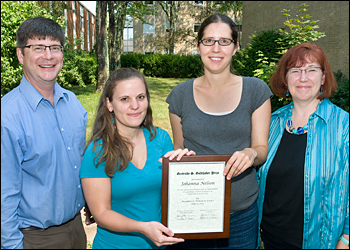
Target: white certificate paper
[196, 197]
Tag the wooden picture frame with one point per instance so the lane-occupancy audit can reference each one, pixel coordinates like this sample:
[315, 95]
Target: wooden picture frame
[196, 197]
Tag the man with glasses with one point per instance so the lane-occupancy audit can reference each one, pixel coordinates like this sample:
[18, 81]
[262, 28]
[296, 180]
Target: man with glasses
[43, 131]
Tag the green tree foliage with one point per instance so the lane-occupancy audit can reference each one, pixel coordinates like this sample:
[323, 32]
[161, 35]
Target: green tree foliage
[56, 9]
[264, 42]
[298, 30]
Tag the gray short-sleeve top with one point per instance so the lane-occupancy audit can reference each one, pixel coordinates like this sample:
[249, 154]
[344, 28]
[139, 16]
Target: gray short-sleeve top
[222, 134]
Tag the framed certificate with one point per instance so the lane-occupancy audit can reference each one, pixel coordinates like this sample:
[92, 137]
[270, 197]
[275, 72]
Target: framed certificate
[196, 197]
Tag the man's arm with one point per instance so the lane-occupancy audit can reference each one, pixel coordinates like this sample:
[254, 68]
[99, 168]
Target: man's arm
[11, 185]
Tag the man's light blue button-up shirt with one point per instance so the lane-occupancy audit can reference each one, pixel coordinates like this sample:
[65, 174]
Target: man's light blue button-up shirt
[41, 152]
[326, 181]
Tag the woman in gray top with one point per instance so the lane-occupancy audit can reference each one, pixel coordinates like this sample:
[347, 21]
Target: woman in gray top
[222, 113]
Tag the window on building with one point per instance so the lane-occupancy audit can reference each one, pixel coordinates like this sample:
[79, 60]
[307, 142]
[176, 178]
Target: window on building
[148, 28]
[51, 7]
[74, 21]
[128, 36]
[65, 17]
[196, 27]
[198, 2]
[88, 31]
[128, 46]
[82, 26]
[167, 24]
[167, 27]
[92, 31]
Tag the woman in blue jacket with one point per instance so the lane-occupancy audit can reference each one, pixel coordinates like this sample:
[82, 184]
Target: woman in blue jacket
[304, 183]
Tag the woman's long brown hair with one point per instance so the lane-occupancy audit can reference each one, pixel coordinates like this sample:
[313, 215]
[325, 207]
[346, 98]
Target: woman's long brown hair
[115, 151]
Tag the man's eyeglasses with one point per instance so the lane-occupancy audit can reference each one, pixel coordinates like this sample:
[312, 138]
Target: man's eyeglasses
[309, 71]
[222, 42]
[41, 48]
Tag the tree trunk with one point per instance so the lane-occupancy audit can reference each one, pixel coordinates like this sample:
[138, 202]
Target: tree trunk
[171, 11]
[111, 38]
[101, 45]
[120, 23]
[172, 21]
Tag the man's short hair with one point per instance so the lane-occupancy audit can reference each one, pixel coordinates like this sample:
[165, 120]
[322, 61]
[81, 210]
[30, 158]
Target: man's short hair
[41, 28]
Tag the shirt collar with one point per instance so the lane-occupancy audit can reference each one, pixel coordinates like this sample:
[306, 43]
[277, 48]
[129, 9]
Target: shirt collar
[323, 110]
[60, 93]
[34, 97]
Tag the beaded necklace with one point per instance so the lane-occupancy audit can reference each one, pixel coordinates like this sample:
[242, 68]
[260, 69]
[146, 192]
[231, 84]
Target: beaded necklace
[299, 130]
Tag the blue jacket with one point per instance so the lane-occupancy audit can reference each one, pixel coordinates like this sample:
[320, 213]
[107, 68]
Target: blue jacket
[326, 182]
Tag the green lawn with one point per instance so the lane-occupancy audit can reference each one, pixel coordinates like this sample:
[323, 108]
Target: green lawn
[159, 89]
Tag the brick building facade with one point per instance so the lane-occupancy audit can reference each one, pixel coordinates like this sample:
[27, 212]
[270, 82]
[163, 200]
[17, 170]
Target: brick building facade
[80, 23]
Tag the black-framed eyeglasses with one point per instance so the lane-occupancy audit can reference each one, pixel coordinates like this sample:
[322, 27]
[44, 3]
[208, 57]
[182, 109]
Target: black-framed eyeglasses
[37, 48]
[222, 41]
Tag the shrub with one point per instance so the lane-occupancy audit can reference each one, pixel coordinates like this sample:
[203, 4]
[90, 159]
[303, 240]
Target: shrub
[149, 64]
[10, 76]
[158, 65]
[245, 62]
[131, 60]
[189, 66]
[79, 68]
[341, 95]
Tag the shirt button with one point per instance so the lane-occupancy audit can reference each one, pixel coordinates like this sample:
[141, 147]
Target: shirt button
[75, 167]
[79, 186]
[79, 205]
[62, 129]
[68, 148]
